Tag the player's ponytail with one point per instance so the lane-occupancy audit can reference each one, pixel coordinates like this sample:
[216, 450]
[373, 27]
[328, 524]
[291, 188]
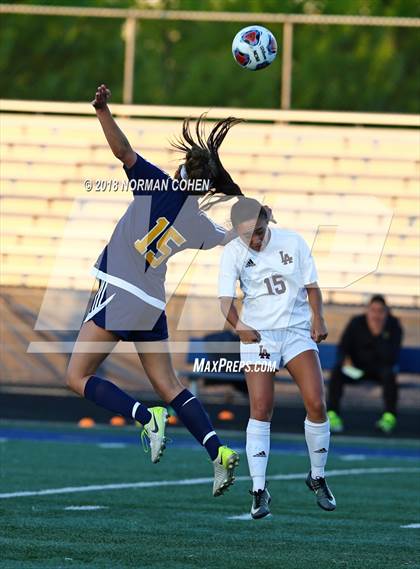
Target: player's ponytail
[202, 159]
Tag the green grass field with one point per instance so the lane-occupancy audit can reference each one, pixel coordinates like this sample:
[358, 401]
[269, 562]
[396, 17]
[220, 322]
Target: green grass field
[171, 525]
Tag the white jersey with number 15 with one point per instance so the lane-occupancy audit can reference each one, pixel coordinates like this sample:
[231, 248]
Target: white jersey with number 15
[273, 280]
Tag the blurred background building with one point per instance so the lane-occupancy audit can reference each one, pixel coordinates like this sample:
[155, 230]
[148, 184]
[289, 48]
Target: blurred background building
[331, 143]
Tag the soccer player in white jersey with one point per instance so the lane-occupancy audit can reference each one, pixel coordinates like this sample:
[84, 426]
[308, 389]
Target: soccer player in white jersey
[278, 278]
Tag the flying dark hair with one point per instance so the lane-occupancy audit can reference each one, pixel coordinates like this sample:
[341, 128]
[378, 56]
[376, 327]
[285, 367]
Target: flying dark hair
[202, 159]
[245, 209]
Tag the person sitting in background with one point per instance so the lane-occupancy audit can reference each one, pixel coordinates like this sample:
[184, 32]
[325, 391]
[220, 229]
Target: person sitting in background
[368, 349]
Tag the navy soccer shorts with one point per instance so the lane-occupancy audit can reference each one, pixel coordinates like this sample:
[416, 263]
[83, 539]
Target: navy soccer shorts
[129, 317]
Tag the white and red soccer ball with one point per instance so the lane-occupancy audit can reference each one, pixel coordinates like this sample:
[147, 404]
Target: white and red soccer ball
[254, 48]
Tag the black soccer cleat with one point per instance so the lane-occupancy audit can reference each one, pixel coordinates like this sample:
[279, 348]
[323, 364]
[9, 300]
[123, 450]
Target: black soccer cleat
[260, 504]
[324, 496]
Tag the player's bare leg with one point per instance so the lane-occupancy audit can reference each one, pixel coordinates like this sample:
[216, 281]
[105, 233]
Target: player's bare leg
[261, 400]
[159, 369]
[306, 371]
[83, 364]
[261, 394]
[81, 378]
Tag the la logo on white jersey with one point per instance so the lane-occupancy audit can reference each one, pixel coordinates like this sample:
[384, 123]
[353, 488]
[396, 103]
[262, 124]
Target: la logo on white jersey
[285, 258]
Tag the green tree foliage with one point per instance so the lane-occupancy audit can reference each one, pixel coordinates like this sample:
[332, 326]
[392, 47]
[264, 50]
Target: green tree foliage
[190, 63]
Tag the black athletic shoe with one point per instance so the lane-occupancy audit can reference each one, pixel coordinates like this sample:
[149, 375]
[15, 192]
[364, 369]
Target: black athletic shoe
[324, 496]
[260, 504]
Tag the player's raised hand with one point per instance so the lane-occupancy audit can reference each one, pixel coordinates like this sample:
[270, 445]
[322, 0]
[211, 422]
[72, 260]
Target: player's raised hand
[102, 95]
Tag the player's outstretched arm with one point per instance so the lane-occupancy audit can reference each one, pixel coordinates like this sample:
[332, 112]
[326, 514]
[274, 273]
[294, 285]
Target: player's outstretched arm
[246, 334]
[117, 140]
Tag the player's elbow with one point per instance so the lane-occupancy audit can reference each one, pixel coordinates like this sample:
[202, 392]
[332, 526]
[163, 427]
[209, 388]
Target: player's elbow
[125, 153]
[121, 153]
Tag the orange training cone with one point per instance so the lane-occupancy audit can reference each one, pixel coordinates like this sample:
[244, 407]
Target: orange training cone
[117, 421]
[86, 423]
[226, 415]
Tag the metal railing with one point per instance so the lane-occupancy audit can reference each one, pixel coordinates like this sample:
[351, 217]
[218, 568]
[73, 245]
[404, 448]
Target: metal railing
[132, 15]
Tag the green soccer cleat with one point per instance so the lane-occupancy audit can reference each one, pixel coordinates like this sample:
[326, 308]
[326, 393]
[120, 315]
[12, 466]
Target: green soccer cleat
[153, 433]
[336, 423]
[387, 423]
[224, 465]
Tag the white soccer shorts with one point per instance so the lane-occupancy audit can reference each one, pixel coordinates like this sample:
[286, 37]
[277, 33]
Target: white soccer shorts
[279, 346]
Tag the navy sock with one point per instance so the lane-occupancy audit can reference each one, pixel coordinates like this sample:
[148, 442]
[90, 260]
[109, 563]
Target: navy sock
[106, 394]
[195, 418]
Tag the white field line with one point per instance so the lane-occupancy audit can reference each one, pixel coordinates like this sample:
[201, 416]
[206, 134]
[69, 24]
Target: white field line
[195, 481]
[351, 457]
[411, 526]
[86, 508]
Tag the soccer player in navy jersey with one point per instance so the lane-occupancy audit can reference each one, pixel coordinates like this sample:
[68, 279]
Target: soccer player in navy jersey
[130, 302]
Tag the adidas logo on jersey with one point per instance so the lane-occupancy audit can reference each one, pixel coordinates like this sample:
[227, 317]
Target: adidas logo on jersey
[261, 454]
[250, 263]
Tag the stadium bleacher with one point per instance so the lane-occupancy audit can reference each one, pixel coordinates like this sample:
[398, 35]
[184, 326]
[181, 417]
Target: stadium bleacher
[363, 181]
[351, 192]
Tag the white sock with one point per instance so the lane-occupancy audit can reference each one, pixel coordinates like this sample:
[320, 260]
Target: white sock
[317, 437]
[257, 451]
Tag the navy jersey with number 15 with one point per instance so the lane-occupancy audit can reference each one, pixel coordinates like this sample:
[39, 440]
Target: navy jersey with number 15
[157, 224]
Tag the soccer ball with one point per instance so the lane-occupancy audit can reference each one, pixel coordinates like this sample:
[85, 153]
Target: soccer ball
[254, 48]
